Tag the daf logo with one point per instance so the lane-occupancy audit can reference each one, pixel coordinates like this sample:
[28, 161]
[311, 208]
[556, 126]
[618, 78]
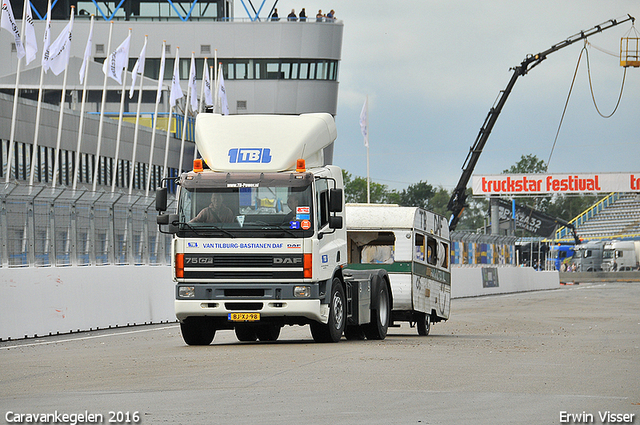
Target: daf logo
[287, 260]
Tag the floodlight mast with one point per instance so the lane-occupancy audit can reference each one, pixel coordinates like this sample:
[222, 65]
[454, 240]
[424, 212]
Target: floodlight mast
[457, 202]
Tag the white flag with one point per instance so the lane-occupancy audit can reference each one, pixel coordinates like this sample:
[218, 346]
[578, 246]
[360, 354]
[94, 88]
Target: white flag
[30, 43]
[161, 74]
[46, 42]
[117, 61]
[363, 123]
[87, 55]
[60, 49]
[138, 68]
[8, 22]
[193, 95]
[222, 93]
[176, 90]
[206, 80]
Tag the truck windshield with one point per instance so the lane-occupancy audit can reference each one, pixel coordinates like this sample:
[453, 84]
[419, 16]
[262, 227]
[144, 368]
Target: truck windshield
[265, 208]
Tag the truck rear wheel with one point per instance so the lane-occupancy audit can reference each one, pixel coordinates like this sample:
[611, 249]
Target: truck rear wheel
[424, 324]
[379, 325]
[197, 330]
[332, 331]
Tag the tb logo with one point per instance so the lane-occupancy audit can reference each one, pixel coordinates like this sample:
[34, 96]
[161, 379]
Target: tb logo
[255, 155]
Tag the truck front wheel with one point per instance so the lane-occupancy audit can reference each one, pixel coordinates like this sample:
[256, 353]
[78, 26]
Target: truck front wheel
[198, 330]
[332, 331]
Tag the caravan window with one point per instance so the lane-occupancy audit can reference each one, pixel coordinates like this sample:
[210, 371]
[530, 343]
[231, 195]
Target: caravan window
[371, 247]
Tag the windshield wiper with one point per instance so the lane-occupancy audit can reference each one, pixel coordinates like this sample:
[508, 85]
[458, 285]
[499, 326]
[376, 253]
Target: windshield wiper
[206, 230]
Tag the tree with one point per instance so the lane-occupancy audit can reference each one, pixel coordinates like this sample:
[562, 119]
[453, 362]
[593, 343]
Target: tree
[417, 195]
[355, 190]
[527, 164]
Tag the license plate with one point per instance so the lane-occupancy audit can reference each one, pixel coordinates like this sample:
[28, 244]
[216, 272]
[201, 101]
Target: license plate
[244, 317]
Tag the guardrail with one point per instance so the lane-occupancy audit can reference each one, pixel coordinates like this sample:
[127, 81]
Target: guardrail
[42, 226]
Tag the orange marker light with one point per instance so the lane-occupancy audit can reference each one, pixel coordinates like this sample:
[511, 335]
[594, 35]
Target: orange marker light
[197, 166]
[179, 265]
[308, 266]
[301, 166]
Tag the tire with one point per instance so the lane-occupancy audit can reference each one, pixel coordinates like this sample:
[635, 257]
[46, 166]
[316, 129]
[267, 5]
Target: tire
[379, 325]
[268, 332]
[197, 330]
[332, 331]
[245, 333]
[424, 324]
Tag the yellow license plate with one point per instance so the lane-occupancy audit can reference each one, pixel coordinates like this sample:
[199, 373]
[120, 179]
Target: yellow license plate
[244, 317]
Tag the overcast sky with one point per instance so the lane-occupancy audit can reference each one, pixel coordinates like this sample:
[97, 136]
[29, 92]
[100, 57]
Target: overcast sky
[433, 68]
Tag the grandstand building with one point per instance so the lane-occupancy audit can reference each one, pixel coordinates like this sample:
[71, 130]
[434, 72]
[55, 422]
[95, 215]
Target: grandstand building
[268, 67]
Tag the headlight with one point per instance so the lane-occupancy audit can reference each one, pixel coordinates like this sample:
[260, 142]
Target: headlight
[187, 291]
[302, 291]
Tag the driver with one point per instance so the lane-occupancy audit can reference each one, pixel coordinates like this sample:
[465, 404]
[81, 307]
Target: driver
[216, 212]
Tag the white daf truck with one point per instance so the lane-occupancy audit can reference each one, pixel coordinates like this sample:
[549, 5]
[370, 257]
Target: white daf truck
[413, 246]
[259, 240]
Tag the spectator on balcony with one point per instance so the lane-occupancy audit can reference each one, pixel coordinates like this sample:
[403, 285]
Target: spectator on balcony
[303, 15]
[292, 16]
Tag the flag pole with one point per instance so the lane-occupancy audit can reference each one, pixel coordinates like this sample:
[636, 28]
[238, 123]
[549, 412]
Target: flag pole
[176, 67]
[116, 164]
[45, 58]
[96, 164]
[186, 113]
[215, 80]
[56, 162]
[15, 95]
[85, 65]
[154, 119]
[135, 135]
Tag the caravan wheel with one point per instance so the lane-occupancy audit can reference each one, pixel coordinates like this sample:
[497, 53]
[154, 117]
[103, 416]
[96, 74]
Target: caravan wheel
[424, 324]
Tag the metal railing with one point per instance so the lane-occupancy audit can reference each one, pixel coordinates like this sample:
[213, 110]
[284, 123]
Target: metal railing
[42, 226]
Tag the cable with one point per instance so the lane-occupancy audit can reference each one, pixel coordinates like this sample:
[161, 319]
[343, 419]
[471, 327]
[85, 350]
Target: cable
[624, 77]
[566, 103]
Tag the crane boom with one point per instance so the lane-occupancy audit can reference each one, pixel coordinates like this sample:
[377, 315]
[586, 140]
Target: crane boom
[457, 202]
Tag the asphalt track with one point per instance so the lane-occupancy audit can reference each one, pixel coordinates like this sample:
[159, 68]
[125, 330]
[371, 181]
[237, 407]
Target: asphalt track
[528, 358]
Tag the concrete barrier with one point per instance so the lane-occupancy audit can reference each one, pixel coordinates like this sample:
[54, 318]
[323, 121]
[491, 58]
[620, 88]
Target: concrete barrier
[581, 277]
[39, 301]
[476, 281]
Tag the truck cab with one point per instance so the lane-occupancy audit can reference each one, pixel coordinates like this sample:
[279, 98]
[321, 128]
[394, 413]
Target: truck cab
[259, 237]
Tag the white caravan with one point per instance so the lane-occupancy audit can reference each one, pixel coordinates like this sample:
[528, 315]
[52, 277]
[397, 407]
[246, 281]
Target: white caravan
[413, 246]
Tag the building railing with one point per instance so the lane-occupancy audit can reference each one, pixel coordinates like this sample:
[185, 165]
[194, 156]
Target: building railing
[42, 226]
[564, 232]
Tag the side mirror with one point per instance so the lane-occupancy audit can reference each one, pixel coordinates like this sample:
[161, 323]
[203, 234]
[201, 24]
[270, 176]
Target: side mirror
[335, 222]
[335, 200]
[168, 220]
[161, 199]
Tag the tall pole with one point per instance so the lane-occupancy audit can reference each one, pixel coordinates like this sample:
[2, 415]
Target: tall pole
[15, 97]
[45, 48]
[114, 177]
[82, 108]
[135, 135]
[56, 162]
[96, 165]
[155, 117]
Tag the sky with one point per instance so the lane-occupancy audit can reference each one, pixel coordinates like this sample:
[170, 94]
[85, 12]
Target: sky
[432, 69]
